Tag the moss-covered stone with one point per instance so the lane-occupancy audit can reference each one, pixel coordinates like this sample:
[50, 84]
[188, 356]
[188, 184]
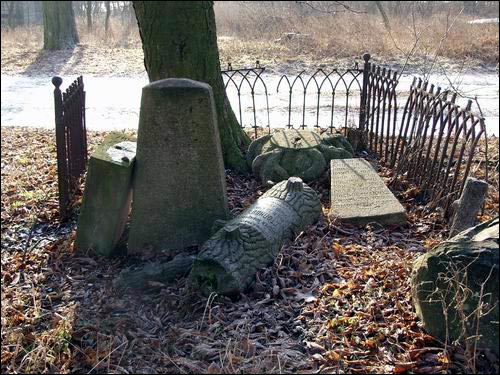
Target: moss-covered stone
[338, 141]
[255, 148]
[292, 152]
[228, 261]
[296, 139]
[332, 152]
[107, 196]
[268, 168]
[308, 164]
[448, 282]
[179, 184]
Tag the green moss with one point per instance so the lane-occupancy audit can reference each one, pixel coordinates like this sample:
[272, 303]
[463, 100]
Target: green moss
[210, 277]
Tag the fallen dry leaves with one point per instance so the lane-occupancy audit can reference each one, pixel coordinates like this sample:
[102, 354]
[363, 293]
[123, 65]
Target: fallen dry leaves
[337, 299]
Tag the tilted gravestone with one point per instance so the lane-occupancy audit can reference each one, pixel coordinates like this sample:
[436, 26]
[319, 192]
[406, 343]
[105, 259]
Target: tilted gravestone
[179, 184]
[229, 260]
[107, 196]
[360, 196]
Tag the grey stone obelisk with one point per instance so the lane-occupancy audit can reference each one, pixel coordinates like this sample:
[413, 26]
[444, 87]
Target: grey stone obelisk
[179, 187]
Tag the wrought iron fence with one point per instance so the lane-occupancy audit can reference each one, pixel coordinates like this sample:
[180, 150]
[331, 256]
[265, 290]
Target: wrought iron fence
[437, 143]
[71, 139]
[323, 99]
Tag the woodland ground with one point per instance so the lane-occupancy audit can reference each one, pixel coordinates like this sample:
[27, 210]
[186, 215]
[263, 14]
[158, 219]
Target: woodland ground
[337, 299]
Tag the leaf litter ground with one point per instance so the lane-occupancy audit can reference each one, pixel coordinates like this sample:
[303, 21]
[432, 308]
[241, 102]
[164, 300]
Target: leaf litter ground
[337, 299]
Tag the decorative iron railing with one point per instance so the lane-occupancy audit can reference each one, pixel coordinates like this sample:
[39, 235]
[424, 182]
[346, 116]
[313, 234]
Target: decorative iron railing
[71, 139]
[437, 143]
[323, 99]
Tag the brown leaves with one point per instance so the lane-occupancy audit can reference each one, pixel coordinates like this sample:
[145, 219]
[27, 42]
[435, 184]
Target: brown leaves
[336, 300]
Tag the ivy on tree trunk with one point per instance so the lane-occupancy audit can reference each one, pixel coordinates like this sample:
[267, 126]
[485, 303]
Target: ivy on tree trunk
[179, 40]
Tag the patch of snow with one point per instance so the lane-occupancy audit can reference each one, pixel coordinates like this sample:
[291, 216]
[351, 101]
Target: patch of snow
[483, 20]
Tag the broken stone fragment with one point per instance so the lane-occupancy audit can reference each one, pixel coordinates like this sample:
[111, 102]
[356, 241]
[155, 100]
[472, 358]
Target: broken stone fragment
[107, 195]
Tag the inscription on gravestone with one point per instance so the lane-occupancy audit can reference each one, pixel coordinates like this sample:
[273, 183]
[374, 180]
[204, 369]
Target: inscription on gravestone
[268, 218]
[359, 195]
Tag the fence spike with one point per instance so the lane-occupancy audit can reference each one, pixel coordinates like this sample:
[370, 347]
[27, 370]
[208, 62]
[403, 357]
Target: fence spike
[469, 105]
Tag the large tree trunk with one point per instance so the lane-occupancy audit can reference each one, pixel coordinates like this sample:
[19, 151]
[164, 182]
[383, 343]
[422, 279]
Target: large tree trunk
[179, 39]
[59, 27]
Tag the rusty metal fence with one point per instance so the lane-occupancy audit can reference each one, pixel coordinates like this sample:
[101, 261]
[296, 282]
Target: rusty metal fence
[71, 140]
[438, 143]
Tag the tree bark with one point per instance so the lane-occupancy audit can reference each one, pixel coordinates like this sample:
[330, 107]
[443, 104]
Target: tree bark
[89, 15]
[59, 27]
[179, 40]
[11, 14]
[108, 14]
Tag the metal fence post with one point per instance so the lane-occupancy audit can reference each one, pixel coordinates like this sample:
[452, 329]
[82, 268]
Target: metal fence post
[364, 93]
[62, 162]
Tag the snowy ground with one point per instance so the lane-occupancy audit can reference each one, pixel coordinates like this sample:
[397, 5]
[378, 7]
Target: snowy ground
[113, 102]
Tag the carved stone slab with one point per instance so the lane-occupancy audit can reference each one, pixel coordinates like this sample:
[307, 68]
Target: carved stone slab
[359, 195]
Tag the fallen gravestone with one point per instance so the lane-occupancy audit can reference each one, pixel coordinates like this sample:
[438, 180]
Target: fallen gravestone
[359, 195]
[455, 288]
[179, 184]
[107, 196]
[229, 260]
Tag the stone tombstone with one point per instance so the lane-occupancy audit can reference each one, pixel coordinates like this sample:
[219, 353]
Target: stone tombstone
[179, 184]
[228, 261]
[360, 196]
[107, 195]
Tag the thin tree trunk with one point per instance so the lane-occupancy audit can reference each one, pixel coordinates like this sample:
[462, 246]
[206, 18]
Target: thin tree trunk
[108, 14]
[89, 16]
[11, 14]
[179, 39]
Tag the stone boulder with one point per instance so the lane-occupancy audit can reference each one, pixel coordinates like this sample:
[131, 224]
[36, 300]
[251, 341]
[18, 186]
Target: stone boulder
[460, 276]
